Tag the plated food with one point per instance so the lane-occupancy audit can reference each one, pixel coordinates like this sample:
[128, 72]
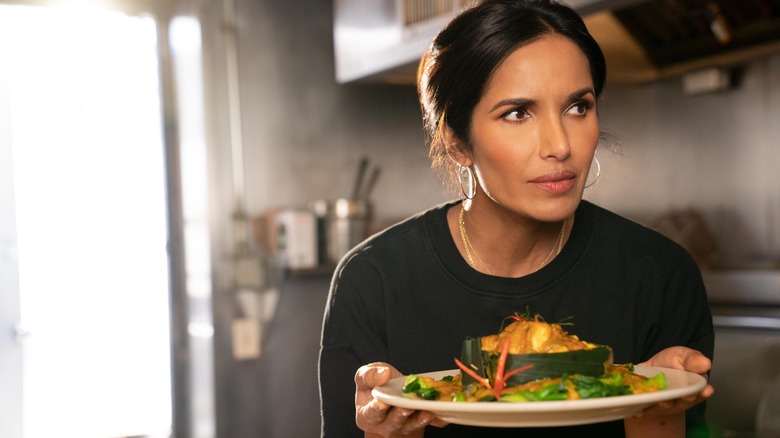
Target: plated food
[550, 413]
[531, 360]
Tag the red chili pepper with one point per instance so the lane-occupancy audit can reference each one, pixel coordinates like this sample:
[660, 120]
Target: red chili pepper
[473, 374]
[501, 377]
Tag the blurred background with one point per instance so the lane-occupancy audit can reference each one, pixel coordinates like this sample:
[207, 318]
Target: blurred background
[179, 177]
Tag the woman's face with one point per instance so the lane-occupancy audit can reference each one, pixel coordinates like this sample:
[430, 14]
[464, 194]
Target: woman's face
[535, 130]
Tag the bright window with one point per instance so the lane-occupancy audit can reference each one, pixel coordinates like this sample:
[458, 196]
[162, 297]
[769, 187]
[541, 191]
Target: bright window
[81, 90]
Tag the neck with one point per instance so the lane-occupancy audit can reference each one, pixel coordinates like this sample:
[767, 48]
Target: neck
[506, 248]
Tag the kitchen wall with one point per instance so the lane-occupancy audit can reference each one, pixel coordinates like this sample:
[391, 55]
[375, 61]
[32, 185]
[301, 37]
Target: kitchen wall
[304, 136]
[717, 153]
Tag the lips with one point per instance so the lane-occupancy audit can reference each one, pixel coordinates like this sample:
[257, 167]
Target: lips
[555, 182]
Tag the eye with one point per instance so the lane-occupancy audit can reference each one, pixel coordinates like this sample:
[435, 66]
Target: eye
[579, 108]
[516, 114]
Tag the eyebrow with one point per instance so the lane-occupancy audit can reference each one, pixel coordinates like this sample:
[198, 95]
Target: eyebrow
[530, 102]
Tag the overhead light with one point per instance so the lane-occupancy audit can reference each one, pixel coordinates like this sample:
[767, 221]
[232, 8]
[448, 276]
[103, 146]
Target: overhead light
[706, 81]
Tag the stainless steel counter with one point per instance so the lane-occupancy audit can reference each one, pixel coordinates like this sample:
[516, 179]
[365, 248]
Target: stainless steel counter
[754, 287]
[746, 369]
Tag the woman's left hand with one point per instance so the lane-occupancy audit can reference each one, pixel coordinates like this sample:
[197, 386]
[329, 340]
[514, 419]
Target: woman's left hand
[681, 358]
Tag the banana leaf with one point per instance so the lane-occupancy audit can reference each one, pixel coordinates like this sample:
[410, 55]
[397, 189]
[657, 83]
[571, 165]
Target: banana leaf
[591, 362]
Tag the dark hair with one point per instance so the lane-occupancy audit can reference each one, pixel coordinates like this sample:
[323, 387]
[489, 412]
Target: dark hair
[462, 58]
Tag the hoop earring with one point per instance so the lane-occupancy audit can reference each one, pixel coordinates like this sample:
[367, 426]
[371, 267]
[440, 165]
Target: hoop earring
[471, 188]
[598, 173]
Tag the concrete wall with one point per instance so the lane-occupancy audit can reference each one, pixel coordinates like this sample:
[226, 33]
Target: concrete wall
[718, 153]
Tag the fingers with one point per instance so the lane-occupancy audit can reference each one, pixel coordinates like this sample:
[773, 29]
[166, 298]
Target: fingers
[375, 412]
[418, 421]
[667, 407]
[671, 407]
[705, 393]
[437, 422]
[378, 417]
[370, 411]
[374, 416]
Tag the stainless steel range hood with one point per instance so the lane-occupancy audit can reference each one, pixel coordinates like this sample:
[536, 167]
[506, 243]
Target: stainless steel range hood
[643, 40]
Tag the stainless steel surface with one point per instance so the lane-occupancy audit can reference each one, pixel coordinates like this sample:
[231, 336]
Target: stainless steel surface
[743, 286]
[348, 222]
[745, 307]
[767, 419]
[370, 38]
[746, 322]
[745, 370]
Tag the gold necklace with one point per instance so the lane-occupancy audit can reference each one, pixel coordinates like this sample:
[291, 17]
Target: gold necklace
[470, 248]
[559, 246]
[467, 243]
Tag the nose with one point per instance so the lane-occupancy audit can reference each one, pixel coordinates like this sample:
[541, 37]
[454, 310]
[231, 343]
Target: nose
[553, 139]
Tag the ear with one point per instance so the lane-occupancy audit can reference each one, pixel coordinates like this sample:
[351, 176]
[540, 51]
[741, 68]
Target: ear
[456, 149]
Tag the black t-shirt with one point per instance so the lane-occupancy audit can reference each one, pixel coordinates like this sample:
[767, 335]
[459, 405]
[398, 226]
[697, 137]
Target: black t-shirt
[407, 297]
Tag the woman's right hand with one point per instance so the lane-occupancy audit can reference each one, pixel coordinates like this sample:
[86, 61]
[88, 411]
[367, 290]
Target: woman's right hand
[378, 419]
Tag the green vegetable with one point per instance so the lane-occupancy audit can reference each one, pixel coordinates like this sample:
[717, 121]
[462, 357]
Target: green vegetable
[414, 385]
[551, 392]
[656, 382]
[594, 387]
[587, 387]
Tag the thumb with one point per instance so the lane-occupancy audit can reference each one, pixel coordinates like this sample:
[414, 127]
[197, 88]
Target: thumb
[373, 375]
[695, 362]
[681, 358]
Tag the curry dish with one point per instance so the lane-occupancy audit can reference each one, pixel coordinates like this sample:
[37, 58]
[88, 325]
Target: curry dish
[534, 336]
[531, 360]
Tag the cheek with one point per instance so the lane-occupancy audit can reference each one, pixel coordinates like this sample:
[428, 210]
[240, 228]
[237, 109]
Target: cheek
[507, 158]
[503, 168]
[587, 140]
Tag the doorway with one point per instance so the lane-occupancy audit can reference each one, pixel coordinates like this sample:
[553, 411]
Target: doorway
[83, 262]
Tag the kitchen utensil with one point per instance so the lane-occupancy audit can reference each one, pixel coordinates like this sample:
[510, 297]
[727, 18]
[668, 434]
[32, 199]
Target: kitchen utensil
[359, 178]
[366, 192]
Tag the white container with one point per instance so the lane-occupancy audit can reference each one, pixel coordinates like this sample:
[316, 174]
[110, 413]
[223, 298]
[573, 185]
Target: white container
[297, 239]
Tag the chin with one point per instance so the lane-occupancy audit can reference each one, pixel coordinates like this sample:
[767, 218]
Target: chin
[558, 210]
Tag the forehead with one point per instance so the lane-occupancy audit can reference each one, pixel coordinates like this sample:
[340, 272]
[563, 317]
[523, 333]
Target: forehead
[551, 63]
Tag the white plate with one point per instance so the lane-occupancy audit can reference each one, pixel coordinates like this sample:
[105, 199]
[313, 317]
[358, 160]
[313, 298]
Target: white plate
[546, 413]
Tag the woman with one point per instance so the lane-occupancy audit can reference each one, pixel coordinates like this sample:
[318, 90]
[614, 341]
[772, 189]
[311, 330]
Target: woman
[509, 93]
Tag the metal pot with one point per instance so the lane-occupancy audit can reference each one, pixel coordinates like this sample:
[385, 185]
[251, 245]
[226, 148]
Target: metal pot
[342, 224]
